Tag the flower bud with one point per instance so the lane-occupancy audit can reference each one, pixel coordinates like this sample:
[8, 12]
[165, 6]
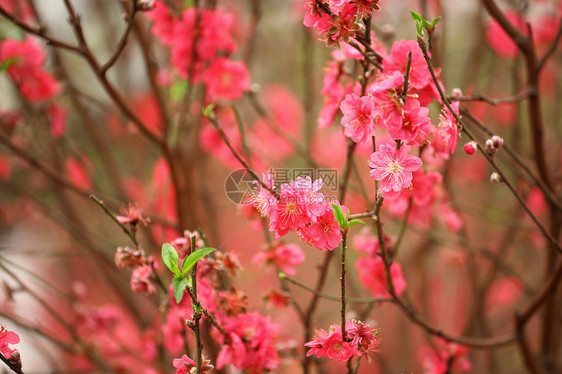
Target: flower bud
[456, 93]
[495, 178]
[489, 146]
[470, 148]
[496, 141]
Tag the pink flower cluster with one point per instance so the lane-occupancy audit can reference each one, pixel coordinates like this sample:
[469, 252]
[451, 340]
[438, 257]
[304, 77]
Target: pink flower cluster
[199, 40]
[302, 208]
[360, 339]
[444, 358]
[337, 20]
[25, 61]
[370, 269]
[250, 344]
[283, 256]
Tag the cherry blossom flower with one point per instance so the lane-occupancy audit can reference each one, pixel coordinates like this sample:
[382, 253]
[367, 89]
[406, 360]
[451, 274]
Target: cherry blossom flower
[283, 256]
[358, 117]
[360, 339]
[330, 344]
[446, 137]
[250, 346]
[373, 277]
[393, 168]
[25, 67]
[141, 280]
[226, 80]
[7, 337]
[323, 234]
[185, 365]
[414, 129]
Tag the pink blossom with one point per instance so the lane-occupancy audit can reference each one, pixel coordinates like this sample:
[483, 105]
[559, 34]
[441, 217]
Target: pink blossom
[283, 256]
[26, 59]
[362, 338]
[393, 168]
[226, 80]
[387, 95]
[185, 365]
[343, 25]
[358, 117]
[324, 233]
[446, 136]
[415, 127]
[499, 40]
[7, 337]
[397, 60]
[373, 277]
[77, 173]
[141, 280]
[330, 345]
[315, 17]
[299, 204]
[58, 119]
[164, 22]
[251, 343]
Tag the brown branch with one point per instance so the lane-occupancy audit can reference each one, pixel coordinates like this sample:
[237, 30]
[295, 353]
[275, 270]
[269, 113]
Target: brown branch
[492, 101]
[40, 32]
[123, 41]
[552, 48]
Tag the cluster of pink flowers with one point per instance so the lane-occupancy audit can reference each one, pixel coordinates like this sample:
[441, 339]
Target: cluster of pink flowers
[360, 338]
[337, 20]
[444, 358]
[199, 40]
[25, 61]
[250, 343]
[371, 269]
[283, 256]
[302, 208]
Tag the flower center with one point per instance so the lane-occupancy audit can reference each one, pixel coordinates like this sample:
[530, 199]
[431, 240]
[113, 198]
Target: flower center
[395, 167]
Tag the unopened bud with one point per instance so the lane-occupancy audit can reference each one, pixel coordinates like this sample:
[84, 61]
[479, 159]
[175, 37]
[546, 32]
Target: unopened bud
[495, 178]
[489, 145]
[470, 148]
[15, 359]
[496, 141]
[456, 93]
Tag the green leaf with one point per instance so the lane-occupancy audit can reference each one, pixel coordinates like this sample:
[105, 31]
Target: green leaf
[188, 4]
[208, 111]
[340, 218]
[354, 222]
[419, 22]
[178, 90]
[434, 22]
[282, 275]
[192, 259]
[170, 258]
[179, 285]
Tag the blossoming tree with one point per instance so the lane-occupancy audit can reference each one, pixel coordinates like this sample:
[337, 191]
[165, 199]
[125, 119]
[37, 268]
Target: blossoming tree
[191, 212]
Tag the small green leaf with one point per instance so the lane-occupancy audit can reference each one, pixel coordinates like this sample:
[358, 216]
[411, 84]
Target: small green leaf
[170, 258]
[354, 222]
[416, 17]
[192, 259]
[338, 215]
[178, 90]
[208, 111]
[434, 22]
[188, 4]
[179, 285]
[419, 22]
[282, 275]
